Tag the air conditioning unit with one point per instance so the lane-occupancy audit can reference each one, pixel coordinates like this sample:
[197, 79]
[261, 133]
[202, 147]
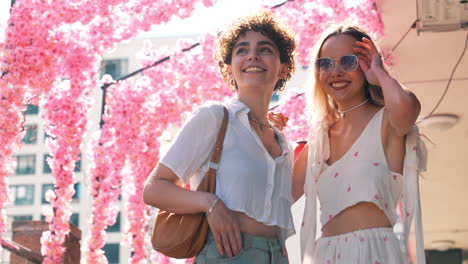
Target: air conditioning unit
[442, 15]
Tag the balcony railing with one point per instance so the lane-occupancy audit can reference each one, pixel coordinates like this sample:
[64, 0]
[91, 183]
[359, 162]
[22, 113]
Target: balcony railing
[21, 252]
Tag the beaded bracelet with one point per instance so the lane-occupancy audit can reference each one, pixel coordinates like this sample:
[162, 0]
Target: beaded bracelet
[212, 206]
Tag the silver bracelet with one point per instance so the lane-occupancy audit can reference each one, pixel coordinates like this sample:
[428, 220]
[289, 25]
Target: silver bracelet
[213, 204]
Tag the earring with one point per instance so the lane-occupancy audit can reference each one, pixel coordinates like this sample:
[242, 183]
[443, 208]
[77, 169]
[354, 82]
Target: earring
[280, 85]
[233, 84]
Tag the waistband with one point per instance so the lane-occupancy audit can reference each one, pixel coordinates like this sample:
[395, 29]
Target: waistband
[368, 232]
[251, 241]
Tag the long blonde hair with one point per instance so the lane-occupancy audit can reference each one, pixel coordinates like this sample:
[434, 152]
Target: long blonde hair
[321, 107]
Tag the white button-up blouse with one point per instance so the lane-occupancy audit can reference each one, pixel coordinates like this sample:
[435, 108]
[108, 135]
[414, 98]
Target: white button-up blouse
[249, 180]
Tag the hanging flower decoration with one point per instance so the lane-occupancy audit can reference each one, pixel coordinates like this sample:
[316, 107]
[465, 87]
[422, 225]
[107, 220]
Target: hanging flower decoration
[309, 18]
[46, 43]
[48, 57]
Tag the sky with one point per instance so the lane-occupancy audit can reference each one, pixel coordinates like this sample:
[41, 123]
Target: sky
[4, 10]
[205, 20]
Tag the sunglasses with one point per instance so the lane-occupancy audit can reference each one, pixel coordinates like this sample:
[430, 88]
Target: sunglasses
[348, 63]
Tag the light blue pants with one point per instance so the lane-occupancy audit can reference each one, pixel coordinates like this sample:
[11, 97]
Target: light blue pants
[256, 250]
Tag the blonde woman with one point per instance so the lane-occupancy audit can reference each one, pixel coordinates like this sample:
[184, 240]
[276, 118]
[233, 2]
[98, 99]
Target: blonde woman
[362, 157]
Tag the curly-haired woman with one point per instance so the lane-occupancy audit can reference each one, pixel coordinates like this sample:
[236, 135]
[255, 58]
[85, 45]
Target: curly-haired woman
[250, 213]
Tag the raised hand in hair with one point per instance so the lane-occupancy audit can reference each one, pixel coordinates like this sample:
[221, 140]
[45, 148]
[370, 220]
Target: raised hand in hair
[370, 60]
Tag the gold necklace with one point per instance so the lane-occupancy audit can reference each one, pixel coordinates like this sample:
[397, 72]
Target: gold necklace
[262, 124]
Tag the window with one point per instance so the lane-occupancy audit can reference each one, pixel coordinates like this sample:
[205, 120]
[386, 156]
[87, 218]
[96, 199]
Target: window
[45, 188]
[47, 136]
[275, 97]
[77, 194]
[46, 168]
[31, 134]
[115, 68]
[75, 219]
[12, 218]
[50, 186]
[22, 217]
[112, 251]
[78, 165]
[22, 194]
[32, 109]
[116, 226]
[25, 164]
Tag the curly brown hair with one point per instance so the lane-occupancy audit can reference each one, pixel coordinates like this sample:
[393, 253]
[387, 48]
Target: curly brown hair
[267, 24]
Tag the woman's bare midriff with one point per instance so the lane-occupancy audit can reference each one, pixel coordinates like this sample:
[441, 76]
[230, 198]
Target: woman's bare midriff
[363, 215]
[252, 227]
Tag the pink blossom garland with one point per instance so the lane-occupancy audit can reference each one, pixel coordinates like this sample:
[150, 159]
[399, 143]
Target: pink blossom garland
[109, 159]
[11, 124]
[160, 258]
[38, 56]
[123, 113]
[147, 98]
[308, 18]
[11, 133]
[134, 110]
[294, 108]
[191, 89]
[64, 109]
[11, 129]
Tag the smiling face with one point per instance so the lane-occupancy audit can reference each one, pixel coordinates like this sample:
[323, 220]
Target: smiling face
[255, 62]
[344, 87]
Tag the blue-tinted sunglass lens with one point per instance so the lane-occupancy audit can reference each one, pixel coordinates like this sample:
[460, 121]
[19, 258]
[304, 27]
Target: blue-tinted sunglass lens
[324, 64]
[349, 63]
